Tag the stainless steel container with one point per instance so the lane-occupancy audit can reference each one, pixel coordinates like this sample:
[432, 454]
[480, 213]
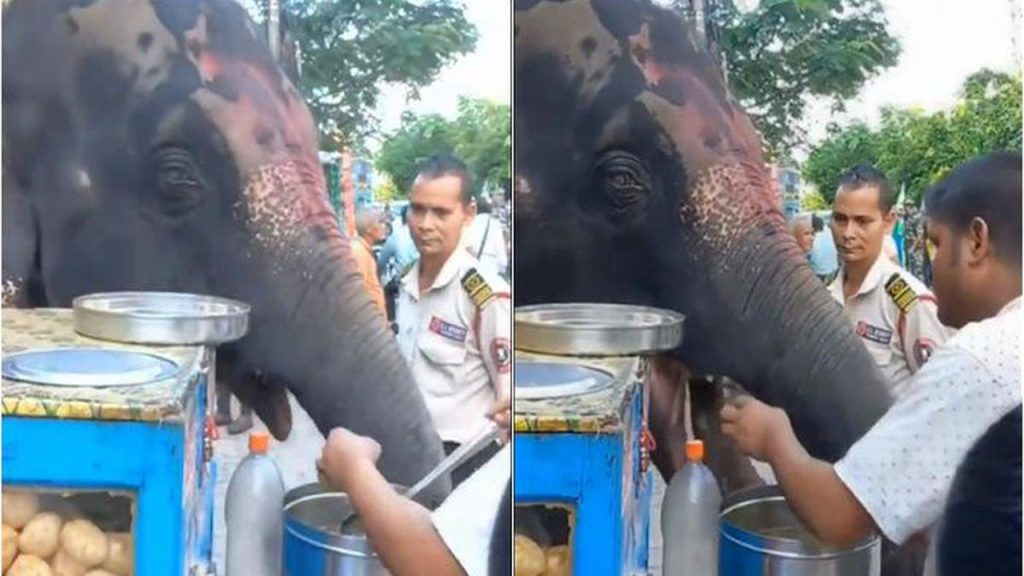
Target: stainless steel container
[760, 536]
[312, 545]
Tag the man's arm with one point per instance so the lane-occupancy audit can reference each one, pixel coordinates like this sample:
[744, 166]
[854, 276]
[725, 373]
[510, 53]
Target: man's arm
[813, 489]
[401, 530]
[816, 493]
[921, 332]
[494, 337]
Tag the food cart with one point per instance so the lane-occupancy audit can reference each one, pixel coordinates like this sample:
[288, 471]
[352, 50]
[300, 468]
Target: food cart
[582, 484]
[108, 442]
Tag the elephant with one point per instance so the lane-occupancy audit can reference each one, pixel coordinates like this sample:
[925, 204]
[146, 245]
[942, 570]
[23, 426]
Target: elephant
[641, 181]
[156, 145]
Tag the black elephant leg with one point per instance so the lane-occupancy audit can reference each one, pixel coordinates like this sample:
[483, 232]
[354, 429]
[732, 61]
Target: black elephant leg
[733, 470]
[222, 416]
[244, 421]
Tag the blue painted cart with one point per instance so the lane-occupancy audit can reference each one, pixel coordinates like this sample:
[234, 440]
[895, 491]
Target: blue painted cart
[144, 445]
[582, 454]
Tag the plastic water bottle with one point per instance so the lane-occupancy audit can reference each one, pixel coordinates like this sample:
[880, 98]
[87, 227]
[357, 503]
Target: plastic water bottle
[254, 511]
[689, 518]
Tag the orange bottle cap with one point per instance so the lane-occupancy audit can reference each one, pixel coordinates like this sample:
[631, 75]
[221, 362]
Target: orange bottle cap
[259, 442]
[694, 450]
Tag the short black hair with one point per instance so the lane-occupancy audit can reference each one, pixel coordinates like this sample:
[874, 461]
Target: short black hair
[817, 223]
[865, 176]
[987, 187]
[440, 165]
[405, 214]
[981, 525]
[483, 205]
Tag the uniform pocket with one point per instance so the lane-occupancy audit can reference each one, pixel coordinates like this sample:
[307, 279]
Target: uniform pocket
[442, 351]
[880, 353]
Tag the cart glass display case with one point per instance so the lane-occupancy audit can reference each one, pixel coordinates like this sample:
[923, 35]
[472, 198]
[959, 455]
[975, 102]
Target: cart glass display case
[582, 488]
[105, 444]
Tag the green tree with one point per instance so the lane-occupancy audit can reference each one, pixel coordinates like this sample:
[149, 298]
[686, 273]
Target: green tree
[813, 201]
[915, 149]
[842, 149]
[480, 135]
[785, 53]
[483, 139]
[418, 138]
[350, 48]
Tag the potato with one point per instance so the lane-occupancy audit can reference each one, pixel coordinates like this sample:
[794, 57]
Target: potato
[557, 560]
[529, 557]
[64, 565]
[29, 565]
[18, 507]
[98, 572]
[85, 543]
[41, 536]
[121, 560]
[10, 546]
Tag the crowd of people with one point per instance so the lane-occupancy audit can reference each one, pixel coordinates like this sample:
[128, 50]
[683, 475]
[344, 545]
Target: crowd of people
[941, 471]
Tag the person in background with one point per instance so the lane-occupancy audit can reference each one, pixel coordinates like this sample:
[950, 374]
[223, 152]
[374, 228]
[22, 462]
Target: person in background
[468, 535]
[894, 313]
[396, 259]
[454, 316]
[486, 239]
[823, 251]
[802, 231]
[370, 230]
[896, 478]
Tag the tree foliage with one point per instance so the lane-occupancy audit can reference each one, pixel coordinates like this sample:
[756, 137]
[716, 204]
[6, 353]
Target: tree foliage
[917, 150]
[480, 135]
[785, 53]
[350, 48]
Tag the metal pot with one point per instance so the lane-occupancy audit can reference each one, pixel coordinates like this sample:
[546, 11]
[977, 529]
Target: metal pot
[760, 536]
[313, 547]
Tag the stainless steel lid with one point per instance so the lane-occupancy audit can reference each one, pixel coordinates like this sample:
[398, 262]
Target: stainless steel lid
[87, 367]
[537, 380]
[597, 329]
[161, 318]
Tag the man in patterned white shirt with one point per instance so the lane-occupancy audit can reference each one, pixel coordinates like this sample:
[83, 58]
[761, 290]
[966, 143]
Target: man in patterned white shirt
[896, 478]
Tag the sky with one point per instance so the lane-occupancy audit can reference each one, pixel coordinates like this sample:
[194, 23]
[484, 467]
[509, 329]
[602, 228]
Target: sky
[485, 73]
[944, 41]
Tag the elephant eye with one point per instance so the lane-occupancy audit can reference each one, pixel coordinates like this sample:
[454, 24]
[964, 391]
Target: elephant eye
[624, 178]
[178, 178]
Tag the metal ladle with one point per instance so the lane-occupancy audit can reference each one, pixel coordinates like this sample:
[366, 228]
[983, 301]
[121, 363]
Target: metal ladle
[489, 433]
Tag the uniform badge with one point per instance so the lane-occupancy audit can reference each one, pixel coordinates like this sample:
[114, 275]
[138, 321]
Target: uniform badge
[901, 293]
[477, 288]
[501, 353]
[873, 333]
[447, 329]
[923, 349]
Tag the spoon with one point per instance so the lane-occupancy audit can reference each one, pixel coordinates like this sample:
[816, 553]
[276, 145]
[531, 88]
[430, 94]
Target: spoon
[489, 433]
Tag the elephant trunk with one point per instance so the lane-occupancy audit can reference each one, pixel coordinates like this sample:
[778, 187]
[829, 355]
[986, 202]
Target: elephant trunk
[790, 344]
[318, 332]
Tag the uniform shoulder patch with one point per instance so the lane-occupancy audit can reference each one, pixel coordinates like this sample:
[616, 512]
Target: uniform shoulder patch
[901, 293]
[480, 292]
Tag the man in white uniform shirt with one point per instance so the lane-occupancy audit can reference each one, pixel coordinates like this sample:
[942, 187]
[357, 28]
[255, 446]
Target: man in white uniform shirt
[893, 313]
[454, 316]
[896, 478]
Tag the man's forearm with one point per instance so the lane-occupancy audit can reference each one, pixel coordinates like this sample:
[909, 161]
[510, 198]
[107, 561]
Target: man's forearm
[400, 529]
[817, 495]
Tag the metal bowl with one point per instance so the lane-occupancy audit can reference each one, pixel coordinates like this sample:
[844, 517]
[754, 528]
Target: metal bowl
[586, 329]
[312, 544]
[160, 318]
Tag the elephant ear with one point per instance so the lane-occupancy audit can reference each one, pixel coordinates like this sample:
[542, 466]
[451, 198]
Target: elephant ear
[21, 287]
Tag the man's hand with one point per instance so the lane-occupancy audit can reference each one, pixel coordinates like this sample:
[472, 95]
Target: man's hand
[343, 454]
[501, 413]
[755, 427]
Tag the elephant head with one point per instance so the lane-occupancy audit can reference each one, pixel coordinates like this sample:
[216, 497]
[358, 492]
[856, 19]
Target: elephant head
[156, 145]
[642, 182]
